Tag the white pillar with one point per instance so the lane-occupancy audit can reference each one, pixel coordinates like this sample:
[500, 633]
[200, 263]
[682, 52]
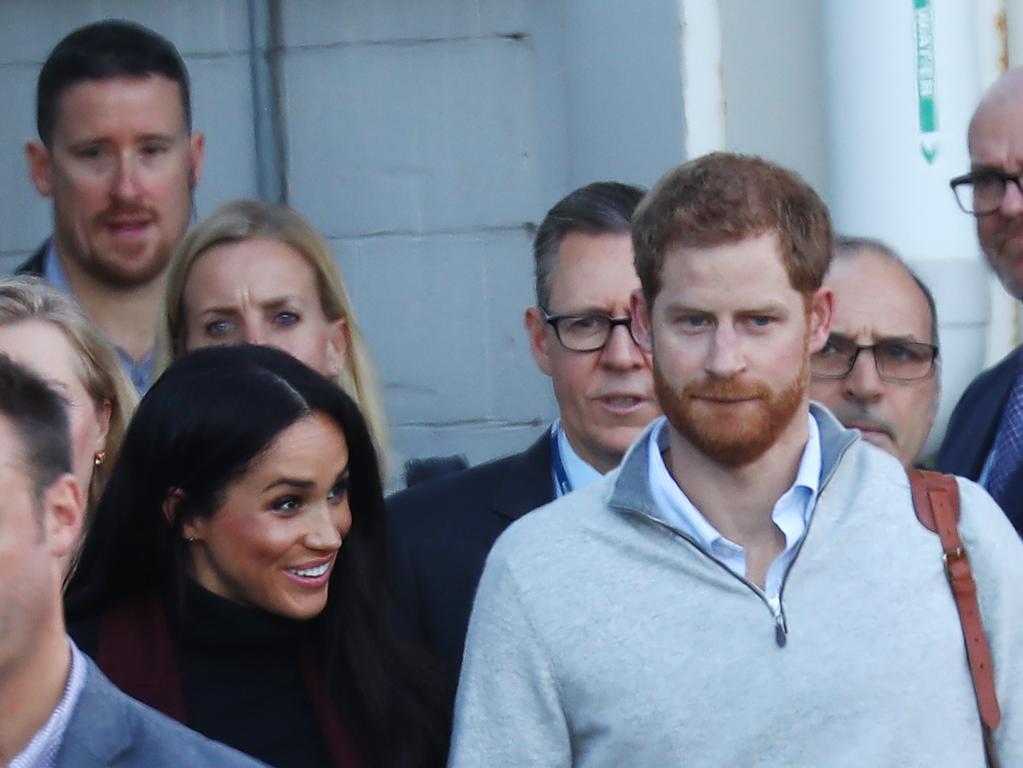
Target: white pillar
[703, 93]
[904, 77]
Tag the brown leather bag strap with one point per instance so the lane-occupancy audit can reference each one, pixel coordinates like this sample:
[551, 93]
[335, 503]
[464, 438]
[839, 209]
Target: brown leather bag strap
[936, 501]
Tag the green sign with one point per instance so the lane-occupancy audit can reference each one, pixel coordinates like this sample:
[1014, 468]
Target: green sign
[928, 110]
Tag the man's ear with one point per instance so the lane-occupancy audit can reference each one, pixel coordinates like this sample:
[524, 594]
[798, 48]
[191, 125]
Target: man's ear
[539, 341]
[822, 306]
[63, 515]
[338, 342]
[640, 312]
[196, 158]
[40, 167]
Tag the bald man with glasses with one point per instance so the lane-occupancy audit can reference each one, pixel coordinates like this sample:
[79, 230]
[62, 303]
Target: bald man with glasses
[878, 371]
[984, 440]
[580, 336]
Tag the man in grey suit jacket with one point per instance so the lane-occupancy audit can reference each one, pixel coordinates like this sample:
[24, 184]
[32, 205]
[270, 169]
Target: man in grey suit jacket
[57, 708]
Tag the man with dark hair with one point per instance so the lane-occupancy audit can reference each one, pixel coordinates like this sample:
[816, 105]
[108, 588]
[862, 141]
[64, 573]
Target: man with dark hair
[580, 335]
[58, 708]
[984, 438]
[117, 155]
[878, 371]
[751, 587]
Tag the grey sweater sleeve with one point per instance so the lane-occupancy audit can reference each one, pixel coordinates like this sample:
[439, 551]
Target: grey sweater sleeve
[508, 710]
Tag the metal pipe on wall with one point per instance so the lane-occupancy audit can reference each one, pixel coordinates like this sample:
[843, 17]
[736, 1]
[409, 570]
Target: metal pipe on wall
[268, 121]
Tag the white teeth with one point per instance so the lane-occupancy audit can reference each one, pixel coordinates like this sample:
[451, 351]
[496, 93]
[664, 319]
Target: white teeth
[311, 573]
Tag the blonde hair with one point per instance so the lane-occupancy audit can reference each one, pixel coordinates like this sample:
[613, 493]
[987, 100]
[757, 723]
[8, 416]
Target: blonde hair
[25, 298]
[241, 220]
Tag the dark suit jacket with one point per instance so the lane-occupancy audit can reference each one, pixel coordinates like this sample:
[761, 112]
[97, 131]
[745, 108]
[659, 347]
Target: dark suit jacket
[441, 533]
[34, 264]
[974, 424]
[108, 728]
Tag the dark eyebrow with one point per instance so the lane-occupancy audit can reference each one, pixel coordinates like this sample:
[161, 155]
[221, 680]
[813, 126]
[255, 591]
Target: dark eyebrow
[586, 312]
[291, 483]
[899, 339]
[168, 137]
[977, 170]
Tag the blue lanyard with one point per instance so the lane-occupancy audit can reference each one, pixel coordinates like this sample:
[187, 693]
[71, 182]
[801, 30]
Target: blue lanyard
[560, 475]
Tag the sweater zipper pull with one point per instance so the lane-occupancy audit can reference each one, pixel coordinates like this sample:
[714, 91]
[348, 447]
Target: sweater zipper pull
[781, 632]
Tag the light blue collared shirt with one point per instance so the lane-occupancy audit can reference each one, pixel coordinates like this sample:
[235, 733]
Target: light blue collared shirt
[791, 512]
[42, 751]
[578, 472]
[141, 373]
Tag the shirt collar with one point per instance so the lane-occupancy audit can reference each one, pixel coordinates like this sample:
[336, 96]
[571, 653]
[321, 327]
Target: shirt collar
[42, 750]
[579, 473]
[682, 513]
[53, 270]
[140, 372]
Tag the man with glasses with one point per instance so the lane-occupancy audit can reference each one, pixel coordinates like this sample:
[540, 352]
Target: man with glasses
[877, 371]
[984, 440]
[580, 336]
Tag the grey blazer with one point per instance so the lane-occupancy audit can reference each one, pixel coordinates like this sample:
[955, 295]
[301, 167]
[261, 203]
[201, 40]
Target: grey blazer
[108, 728]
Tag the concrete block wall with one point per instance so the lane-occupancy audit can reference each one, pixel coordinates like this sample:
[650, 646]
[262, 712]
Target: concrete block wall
[425, 139]
[412, 144]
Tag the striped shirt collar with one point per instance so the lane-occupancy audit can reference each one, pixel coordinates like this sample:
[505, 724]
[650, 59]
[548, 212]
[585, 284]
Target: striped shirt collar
[42, 750]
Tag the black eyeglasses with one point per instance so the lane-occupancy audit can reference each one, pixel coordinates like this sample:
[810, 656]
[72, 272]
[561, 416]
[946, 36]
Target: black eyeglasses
[896, 361]
[586, 333]
[981, 192]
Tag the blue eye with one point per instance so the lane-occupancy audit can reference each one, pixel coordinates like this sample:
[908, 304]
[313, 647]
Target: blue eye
[219, 328]
[286, 318]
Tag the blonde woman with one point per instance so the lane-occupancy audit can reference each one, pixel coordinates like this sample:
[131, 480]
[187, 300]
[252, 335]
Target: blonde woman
[258, 273]
[46, 331]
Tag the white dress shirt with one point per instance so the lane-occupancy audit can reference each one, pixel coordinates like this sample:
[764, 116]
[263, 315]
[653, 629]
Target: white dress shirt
[791, 512]
[578, 473]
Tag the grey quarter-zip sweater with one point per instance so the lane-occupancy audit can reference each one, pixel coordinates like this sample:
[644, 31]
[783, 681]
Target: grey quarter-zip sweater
[601, 636]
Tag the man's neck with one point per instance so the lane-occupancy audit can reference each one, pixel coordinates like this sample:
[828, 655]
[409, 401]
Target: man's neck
[31, 691]
[128, 316]
[739, 501]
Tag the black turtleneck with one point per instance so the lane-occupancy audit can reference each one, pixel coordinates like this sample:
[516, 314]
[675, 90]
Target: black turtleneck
[241, 679]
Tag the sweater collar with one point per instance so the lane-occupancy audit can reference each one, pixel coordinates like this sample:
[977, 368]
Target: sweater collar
[630, 488]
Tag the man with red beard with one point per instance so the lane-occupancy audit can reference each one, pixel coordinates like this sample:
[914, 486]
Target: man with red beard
[751, 587]
[117, 155]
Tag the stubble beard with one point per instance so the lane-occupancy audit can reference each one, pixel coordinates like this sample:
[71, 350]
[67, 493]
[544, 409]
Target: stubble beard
[733, 435]
[108, 272]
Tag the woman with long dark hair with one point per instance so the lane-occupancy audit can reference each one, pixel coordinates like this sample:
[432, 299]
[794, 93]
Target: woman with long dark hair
[234, 574]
